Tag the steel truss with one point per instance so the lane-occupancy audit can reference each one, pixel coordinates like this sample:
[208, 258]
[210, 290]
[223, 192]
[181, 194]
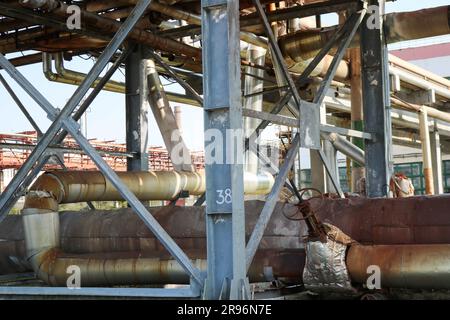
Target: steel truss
[229, 257]
[64, 120]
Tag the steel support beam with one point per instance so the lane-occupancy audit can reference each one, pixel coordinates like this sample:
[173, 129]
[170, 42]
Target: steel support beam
[376, 105]
[225, 216]
[21, 106]
[136, 110]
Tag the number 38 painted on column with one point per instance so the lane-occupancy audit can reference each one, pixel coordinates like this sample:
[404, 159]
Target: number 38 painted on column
[224, 196]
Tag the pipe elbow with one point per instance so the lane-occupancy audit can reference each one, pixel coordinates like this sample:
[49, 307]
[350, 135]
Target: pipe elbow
[42, 240]
[45, 194]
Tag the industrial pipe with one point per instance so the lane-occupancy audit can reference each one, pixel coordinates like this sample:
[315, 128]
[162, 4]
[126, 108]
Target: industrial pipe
[42, 237]
[78, 77]
[426, 151]
[108, 26]
[42, 230]
[346, 147]
[165, 118]
[399, 26]
[53, 188]
[253, 83]
[402, 266]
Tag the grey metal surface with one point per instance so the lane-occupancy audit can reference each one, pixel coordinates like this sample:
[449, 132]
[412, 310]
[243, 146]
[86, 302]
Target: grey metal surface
[226, 273]
[376, 103]
[277, 52]
[136, 110]
[100, 292]
[325, 267]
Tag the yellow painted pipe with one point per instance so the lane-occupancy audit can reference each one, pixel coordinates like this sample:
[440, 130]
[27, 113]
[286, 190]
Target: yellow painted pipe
[54, 188]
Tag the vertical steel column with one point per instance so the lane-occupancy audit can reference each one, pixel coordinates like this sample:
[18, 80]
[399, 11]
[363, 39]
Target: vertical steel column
[136, 110]
[436, 159]
[376, 103]
[225, 221]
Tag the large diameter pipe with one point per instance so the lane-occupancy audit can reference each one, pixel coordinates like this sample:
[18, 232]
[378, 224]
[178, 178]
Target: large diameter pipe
[402, 26]
[402, 266]
[42, 231]
[54, 188]
[399, 26]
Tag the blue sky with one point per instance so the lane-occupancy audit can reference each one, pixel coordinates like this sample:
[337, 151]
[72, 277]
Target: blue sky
[106, 117]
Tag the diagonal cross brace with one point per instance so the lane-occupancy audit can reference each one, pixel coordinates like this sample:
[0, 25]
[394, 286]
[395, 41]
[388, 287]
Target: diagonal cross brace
[277, 52]
[271, 201]
[63, 120]
[266, 213]
[60, 138]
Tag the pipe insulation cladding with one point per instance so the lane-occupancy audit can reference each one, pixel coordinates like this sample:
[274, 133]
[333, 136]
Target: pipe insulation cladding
[58, 187]
[402, 266]
[42, 225]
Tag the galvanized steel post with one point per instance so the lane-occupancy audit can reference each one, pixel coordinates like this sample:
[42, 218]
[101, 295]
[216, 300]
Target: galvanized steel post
[136, 110]
[376, 103]
[225, 226]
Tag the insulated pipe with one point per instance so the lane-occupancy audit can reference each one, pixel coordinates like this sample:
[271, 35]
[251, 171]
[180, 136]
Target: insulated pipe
[69, 77]
[407, 66]
[399, 26]
[419, 81]
[346, 147]
[253, 83]
[54, 77]
[42, 237]
[165, 118]
[41, 223]
[426, 151]
[53, 188]
[402, 266]
[432, 112]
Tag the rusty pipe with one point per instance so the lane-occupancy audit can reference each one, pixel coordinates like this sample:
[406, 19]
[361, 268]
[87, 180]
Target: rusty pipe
[399, 26]
[47, 259]
[95, 22]
[304, 45]
[402, 266]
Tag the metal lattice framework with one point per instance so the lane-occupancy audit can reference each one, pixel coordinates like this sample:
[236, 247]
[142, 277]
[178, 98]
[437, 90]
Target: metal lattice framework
[134, 39]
